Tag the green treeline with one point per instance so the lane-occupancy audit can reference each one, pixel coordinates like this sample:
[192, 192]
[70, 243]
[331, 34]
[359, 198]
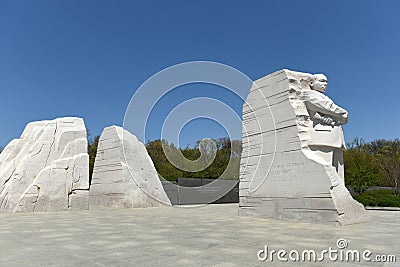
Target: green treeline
[367, 164]
[92, 151]
[375, 163]
[223, 154]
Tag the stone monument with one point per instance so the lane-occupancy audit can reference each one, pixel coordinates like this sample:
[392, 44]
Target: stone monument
[47, 169]
[292, 159]
[124, 174]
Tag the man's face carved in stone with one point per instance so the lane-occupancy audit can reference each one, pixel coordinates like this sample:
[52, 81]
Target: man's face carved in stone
[320, 83]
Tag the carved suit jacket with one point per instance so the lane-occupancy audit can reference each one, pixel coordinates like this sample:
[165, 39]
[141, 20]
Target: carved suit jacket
[323, 134]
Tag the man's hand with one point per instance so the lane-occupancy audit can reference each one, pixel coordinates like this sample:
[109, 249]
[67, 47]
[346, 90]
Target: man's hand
[328, 121]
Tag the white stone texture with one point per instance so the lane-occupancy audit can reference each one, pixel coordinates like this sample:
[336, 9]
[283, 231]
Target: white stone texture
[129, 181]
[285, 173]
[47, 169]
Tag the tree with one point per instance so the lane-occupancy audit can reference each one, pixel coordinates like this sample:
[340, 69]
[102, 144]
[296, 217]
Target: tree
[373, 163]
[221, 150]
[357, 143]
[362, 170]
[389, 157]
[161, 163]
[377, 146]
[92, 151]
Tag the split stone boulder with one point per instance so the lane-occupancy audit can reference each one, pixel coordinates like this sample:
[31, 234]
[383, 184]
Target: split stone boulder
[124, 174]
[47, 168]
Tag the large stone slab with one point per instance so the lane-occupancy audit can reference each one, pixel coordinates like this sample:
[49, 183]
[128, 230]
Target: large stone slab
[47, 169]
[284, 171]
[124, 174]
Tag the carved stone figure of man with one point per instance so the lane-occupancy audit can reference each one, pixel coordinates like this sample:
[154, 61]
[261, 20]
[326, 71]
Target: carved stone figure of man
[327, 139]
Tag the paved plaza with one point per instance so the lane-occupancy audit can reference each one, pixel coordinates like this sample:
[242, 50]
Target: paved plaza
[211, 235]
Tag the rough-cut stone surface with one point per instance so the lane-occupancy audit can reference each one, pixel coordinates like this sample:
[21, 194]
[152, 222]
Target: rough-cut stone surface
[130, 181]
[283, 174]
[47, 169]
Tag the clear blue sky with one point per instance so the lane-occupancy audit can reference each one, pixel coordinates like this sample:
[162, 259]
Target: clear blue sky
[87, 58]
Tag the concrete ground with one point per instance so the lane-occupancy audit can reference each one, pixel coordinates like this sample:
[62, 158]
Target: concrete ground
[211, 235]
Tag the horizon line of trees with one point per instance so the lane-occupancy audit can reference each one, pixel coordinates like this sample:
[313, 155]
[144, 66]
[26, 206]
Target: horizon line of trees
[367, 164]
[374, 163]
[223, 153]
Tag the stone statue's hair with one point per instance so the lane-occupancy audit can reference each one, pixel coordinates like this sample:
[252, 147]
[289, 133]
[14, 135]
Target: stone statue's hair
[314, 76]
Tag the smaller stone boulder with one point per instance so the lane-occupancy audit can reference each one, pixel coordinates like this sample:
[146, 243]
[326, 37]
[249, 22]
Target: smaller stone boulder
[124, 174]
